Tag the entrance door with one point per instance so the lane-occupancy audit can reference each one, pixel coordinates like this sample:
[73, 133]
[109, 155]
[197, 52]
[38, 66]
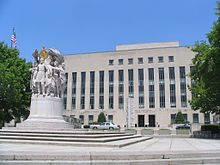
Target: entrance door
[140, 120]
[151, 120]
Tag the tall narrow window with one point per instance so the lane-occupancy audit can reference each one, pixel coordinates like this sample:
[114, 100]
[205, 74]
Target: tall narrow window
[91, 118]
[130, 83]
[81, 118]
[92, 90]
[101, 89]
[83, 87]
[65, 92]
[121, 89]
[141, 87]
[74, 78]
[111, 89]
[195, 118]
[172, 87]
[183, 86]
[161, 87]
[151, 88]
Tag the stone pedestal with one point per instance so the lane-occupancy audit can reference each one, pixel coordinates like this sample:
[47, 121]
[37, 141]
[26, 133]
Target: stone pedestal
[45, 114]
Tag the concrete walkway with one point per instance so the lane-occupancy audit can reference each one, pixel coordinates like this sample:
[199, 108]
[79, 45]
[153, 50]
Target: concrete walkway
[153, 145]
[179, 151]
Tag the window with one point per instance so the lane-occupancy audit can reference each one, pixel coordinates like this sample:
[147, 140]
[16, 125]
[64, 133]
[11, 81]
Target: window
[65, 92]
[173, 118]
[120, 61]
[140, 61]
[130, 82]
[81, 118]
[91, 119]
[92, 89]
[111, 89]
[73, 102]
[82, 102]
[111, 102]
[161, 74]
[151, 88]
[195, 118]
[74, 74]
[160, 59]
[91, 102]
[150, 60]
[83, 86]
[101, 89]
[110, 118]
[172, 87]
[141, 101]
[183, 86]
[151, 74]
[171, 73]
[111, 62]
[121, 102]
[207, 118]
[172, 96]
[141, 87]
[170, 58]
[161, 87]
[185, 117]
[101, 102]
[121, 83]
[130, 61]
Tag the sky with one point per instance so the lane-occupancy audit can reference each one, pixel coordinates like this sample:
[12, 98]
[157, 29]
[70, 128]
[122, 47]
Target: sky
[82, 26]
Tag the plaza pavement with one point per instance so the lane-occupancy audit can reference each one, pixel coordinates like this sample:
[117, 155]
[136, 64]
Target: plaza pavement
[153, 147]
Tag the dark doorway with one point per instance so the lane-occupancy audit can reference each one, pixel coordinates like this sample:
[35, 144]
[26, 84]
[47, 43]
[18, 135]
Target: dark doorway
[140, 120]
[151, 120]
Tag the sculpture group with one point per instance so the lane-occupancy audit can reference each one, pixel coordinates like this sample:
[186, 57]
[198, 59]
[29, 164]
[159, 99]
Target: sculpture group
[48, 76]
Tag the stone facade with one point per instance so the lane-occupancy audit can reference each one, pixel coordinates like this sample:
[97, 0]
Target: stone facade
[167, 88]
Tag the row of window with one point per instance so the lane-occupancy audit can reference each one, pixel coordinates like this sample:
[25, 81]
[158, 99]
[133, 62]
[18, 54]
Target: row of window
[91, 119]
[141, 60]
[141, 88]
[195, 118]
[172, 118]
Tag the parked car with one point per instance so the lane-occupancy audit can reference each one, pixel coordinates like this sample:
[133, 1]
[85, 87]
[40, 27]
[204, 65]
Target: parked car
[105, 125]
[183, 126]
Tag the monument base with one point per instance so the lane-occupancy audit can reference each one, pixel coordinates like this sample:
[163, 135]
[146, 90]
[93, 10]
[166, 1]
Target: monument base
[45, 114]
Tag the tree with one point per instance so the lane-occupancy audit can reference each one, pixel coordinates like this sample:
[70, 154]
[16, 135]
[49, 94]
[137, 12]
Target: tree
[206, 71]
[15, 90]
[179, 118]
[101, 118]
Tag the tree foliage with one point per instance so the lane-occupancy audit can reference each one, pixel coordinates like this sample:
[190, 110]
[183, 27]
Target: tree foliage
[206, 71]
[101, 118]
[14, 85]
[179, 118]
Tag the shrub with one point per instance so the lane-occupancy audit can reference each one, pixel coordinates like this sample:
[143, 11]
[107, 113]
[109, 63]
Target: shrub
[179, 118]
[214, 128]
[101, 118]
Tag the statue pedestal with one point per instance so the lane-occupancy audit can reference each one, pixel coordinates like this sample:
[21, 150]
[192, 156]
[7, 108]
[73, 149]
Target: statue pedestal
[45, 114]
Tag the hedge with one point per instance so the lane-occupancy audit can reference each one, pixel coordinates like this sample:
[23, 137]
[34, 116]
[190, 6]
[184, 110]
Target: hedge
[214, 128]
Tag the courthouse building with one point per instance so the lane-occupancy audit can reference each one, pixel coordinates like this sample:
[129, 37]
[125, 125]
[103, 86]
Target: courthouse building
[153, 76]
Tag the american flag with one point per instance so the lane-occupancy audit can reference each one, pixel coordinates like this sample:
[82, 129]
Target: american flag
[13, 39]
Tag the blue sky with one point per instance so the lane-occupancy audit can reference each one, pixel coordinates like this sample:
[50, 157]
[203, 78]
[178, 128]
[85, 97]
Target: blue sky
[80, 26]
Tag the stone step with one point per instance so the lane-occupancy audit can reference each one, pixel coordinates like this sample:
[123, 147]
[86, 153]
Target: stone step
[75, 131]
[204, 160]
[69, 135]
[108, 143]
[68, 139]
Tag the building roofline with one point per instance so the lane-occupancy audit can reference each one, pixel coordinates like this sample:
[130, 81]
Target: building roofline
[91, 53]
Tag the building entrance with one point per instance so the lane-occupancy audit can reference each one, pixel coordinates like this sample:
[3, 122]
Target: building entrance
[140, 120]
[151, 120]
